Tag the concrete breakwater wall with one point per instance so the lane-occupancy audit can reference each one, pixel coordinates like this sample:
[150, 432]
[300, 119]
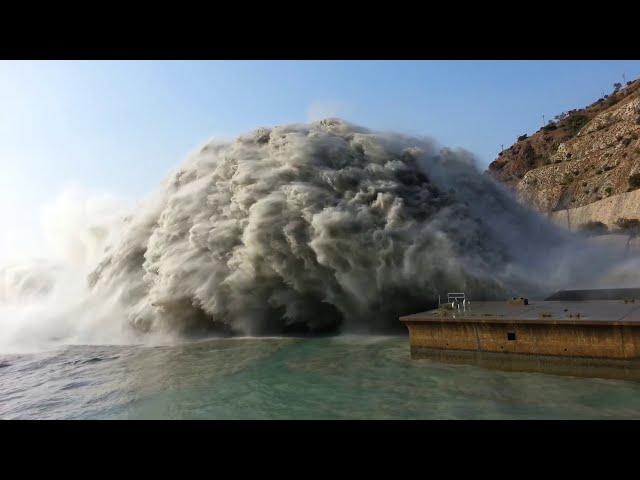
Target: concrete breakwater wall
[607, 211]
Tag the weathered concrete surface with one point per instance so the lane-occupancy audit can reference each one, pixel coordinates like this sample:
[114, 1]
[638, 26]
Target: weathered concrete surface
[601, 341]
[607, 211]
[598, 329]
[618, 369]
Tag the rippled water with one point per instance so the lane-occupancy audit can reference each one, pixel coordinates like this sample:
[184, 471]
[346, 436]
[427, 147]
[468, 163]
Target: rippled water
[345, 377]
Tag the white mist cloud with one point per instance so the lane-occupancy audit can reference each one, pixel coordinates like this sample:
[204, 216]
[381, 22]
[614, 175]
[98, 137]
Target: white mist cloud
[327, 109]
[79, 223]
[44, 295]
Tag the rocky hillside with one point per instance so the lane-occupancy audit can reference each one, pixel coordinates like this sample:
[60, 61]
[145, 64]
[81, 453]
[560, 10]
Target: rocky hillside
[580, 157]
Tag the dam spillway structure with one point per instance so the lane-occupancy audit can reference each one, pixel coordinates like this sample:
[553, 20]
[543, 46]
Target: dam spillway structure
[572, 332]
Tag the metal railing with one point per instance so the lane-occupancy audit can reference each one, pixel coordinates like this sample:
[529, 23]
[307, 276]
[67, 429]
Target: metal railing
[455, 297]
[457, 301]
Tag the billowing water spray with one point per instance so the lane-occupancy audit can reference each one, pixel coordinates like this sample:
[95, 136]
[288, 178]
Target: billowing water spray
[324, 227]
[44, 297]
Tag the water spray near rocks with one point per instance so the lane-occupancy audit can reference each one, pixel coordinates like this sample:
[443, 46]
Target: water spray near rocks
[325, 227]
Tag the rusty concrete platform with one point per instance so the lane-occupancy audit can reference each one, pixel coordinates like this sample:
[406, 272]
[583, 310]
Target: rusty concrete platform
[604, 329]
[614, 369]
[595, 312]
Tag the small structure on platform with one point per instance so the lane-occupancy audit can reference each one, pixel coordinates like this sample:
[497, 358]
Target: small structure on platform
[588, 329]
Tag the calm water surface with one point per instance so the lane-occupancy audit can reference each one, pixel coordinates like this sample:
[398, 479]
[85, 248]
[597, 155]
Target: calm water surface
[347, 377]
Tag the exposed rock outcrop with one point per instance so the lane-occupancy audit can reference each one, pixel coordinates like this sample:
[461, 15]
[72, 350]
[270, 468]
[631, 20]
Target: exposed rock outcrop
[583, 157]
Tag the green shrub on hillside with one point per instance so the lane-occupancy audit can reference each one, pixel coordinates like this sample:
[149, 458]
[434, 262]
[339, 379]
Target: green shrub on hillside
[634, 181]
[576, 121]
[630, 226]
[593, 228]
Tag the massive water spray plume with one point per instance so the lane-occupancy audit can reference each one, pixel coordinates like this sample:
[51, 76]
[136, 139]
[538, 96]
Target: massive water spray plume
[299, 228]
[325, 226]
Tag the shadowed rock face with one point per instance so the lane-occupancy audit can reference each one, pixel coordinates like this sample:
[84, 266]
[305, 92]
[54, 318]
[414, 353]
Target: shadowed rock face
[590, 154]
[323, 227]
[596, 294]
[606, 211]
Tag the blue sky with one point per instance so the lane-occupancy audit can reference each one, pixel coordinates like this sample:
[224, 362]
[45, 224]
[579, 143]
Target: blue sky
[120, 126]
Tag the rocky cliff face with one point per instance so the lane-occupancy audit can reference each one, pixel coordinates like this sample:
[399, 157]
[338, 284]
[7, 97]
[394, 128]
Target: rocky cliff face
[606, 211]
[582, 157]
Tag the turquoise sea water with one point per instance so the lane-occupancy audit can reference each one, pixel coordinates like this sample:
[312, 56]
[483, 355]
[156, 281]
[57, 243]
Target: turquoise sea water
[346, 377]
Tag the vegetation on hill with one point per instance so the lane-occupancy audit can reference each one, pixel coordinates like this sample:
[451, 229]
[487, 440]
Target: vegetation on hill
[580, 156]
[594, 228]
